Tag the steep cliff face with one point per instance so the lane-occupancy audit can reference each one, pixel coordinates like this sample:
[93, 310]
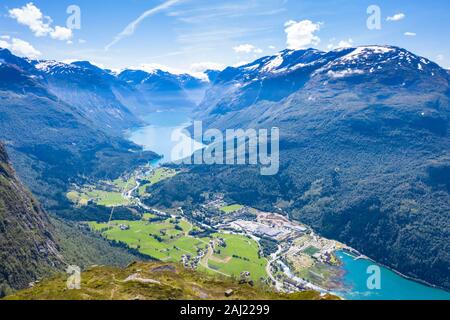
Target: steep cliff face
[28, 250]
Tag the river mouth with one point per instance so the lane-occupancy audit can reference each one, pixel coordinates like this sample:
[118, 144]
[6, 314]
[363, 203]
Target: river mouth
[165, 135]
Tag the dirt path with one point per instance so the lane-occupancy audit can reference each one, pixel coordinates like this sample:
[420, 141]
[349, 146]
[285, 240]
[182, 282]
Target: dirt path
[204, 262]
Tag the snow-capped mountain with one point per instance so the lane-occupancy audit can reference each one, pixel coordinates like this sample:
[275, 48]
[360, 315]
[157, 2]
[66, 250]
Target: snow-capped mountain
[275, 78]
[114, 101]
[371, 59]
[164, 90]
[364, 148]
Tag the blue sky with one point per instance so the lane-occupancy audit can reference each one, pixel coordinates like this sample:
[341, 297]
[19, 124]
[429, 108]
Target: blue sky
[194, 34]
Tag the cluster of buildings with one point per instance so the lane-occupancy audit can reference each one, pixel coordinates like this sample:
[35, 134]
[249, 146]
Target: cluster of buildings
[215, 200]
[266, 225]
[124, 227]
[190, 262]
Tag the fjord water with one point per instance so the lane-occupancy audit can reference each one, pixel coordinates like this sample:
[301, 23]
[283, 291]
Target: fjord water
[157, 135]
[393, 286]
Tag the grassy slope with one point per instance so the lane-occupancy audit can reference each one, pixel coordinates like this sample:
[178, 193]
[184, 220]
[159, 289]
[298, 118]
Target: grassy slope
[240, 253]
[140, 236]
[28, 249]
[231, 208]
[82, 248]
[244, 257]
[168, 282]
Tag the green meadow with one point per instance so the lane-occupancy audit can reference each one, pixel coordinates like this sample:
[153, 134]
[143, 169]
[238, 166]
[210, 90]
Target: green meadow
[231, 208]
[169, 240]
[158, 175]
[160, 240]
[240, 254]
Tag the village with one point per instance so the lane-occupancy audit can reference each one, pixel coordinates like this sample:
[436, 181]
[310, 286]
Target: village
[266, 246]
[303, 260]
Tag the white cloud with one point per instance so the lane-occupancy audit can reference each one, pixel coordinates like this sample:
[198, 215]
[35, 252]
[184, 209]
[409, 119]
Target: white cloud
[244, 48]
[61, 33]
[32, 17]
[396, 17]
[69, 61]
[24, 48]
[240, 63]
[20, 48]
[203, 66]
[272, 47]
[4, 44]
[131, 28]
[196, 70]
[152, 67]
[345, 43]
[440, 57]
[247, 48]
[410, 34]
[301, 35]
[81, 41]
[342, 44]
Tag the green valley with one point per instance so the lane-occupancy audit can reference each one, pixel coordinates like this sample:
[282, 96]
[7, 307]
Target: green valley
[169, 240]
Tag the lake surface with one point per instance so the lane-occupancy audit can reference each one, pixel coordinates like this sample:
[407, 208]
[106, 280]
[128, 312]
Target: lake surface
[166, 136]
[393, 286]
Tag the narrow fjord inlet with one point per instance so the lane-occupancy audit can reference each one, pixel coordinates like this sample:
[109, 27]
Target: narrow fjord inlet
[173, 150]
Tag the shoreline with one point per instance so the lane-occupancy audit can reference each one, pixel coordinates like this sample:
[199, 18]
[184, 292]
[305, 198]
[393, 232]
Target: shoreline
[409, 278]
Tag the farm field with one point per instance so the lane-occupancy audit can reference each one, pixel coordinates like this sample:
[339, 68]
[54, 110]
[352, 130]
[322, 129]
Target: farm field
[231, 208]
[241, 254]
[158, 175]
[100, 197]
[163, 240]
[169, 240]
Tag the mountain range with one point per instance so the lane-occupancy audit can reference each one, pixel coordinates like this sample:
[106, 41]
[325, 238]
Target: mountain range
[365, 155]
[64, 121]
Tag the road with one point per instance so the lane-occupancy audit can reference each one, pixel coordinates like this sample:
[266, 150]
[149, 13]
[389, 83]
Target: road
[275, 257]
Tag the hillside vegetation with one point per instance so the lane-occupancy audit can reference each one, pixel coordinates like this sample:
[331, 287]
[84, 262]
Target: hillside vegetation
[34, 245]
[364, 150]
[28, 248]
[153, 281]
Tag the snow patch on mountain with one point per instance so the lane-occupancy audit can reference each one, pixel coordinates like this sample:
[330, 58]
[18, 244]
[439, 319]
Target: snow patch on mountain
[273, 63]
[366, 51]
[344, 73]
[48, 66]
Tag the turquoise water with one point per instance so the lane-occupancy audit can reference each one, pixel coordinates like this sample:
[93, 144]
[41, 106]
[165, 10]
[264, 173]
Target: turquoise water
[393, 286]
[157, 137]
[166, 136]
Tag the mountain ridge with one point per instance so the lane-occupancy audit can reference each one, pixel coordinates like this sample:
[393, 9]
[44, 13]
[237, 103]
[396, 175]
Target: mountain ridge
[363, 151]
[28, 249]
[52, 142]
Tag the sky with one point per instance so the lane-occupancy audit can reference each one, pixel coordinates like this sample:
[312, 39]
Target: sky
[194, 35]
